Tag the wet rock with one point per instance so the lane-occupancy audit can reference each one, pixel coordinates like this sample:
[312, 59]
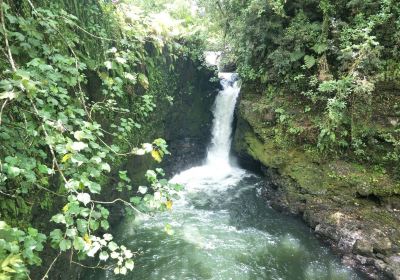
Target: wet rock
[363, 247]
[381, 265]
[394, 262]
[381, 243]
[347, 207]
[228, 67]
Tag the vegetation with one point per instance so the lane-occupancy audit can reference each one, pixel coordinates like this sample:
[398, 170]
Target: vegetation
[327, 71]
[75, 98]
[80, 82]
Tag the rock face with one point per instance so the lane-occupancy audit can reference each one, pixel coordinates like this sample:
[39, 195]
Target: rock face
[185, 125]
[340, 202]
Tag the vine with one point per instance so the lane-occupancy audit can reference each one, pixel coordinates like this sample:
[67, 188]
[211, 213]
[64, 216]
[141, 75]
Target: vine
[58, 143]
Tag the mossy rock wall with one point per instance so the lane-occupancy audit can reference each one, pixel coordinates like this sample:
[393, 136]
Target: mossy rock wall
[352, 206]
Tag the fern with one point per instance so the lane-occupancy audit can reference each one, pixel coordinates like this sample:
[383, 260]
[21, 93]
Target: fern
[309, 61]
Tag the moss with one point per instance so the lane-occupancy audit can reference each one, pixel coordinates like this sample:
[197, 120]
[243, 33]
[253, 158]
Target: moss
[314, 174]
[385, 218]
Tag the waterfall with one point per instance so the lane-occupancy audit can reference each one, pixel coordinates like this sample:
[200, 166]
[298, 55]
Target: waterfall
[224, 107]
[223, 228]
[217, 169]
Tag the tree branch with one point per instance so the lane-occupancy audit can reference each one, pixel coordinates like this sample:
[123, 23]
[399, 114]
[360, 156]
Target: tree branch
[92, 267]
[50, 191]
[46, 275]
[8, 195]
[3, 26]
[50, 146]
[2, 108]
[123, 201]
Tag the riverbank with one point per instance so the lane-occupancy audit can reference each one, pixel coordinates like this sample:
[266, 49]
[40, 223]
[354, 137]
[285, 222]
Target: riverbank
[354, 208]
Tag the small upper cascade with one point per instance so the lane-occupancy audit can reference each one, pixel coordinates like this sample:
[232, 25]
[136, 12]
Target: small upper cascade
[213, 58]
[218, 153]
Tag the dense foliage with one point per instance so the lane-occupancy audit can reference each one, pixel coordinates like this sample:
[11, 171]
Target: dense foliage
[74, 101]
[328, 69]
[78, 83]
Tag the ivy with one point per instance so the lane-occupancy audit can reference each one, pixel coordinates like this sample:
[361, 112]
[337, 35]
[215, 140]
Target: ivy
[62, 141]
[329, 56]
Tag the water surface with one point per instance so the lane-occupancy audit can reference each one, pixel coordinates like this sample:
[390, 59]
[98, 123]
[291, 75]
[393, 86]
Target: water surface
[223, 228]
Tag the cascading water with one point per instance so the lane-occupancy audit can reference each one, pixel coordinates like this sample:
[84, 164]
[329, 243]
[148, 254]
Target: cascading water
[223, 227]
[217, 168]
[223, 117]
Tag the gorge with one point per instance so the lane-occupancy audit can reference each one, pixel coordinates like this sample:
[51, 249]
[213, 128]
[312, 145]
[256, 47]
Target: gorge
[125, 155]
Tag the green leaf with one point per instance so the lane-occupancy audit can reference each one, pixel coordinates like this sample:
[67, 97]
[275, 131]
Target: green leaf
[107, 237]
[79, 135]
[78, 146]
[71, 232]
[104, 212]
[81, 225]
[43, 169]
[79, 243]
[309, 61]
[84, 212]
[8, 95]
[105, 225]
[144, 82]
[135, 200]
[103, 256]
[59, 219]
[65, 245]
[56, 235]
[142, 189]
[108, 64]
[84, 198]
[120, 60]
[168, 229]
[112, 246]
[32, 232]
[105, 166]
[320, 48]
[94, 225]
[129, 264]
[94, 187]
[14, 171]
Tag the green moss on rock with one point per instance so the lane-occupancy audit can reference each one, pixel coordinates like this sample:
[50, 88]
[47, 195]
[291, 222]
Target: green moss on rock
[354, 206]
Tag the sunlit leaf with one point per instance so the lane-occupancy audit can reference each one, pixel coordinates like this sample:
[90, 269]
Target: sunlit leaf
[169, 204]
[8, 95]
[156, 155]
[103, 256]
[84, 198]
[142, 189]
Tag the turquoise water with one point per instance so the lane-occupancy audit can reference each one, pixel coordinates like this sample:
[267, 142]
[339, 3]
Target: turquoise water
[226, 231]
[223, 228]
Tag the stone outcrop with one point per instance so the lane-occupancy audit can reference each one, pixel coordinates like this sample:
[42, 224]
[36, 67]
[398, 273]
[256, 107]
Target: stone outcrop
[352, 208]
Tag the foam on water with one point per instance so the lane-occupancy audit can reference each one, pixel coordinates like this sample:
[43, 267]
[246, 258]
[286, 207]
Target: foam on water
[223, 227]
[217, 170]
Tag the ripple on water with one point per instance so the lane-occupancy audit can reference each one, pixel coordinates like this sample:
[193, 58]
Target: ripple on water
[223, 227]
[234, 235]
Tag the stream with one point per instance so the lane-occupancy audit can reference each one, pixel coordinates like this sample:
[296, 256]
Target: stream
[223, 228]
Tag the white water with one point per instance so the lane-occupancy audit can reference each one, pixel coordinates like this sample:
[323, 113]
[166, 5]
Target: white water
[217, 170]
[223, 117]
[213, 58]
[223, 228]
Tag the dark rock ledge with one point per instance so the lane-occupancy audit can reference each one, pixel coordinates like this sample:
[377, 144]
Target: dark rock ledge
[360, 224]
